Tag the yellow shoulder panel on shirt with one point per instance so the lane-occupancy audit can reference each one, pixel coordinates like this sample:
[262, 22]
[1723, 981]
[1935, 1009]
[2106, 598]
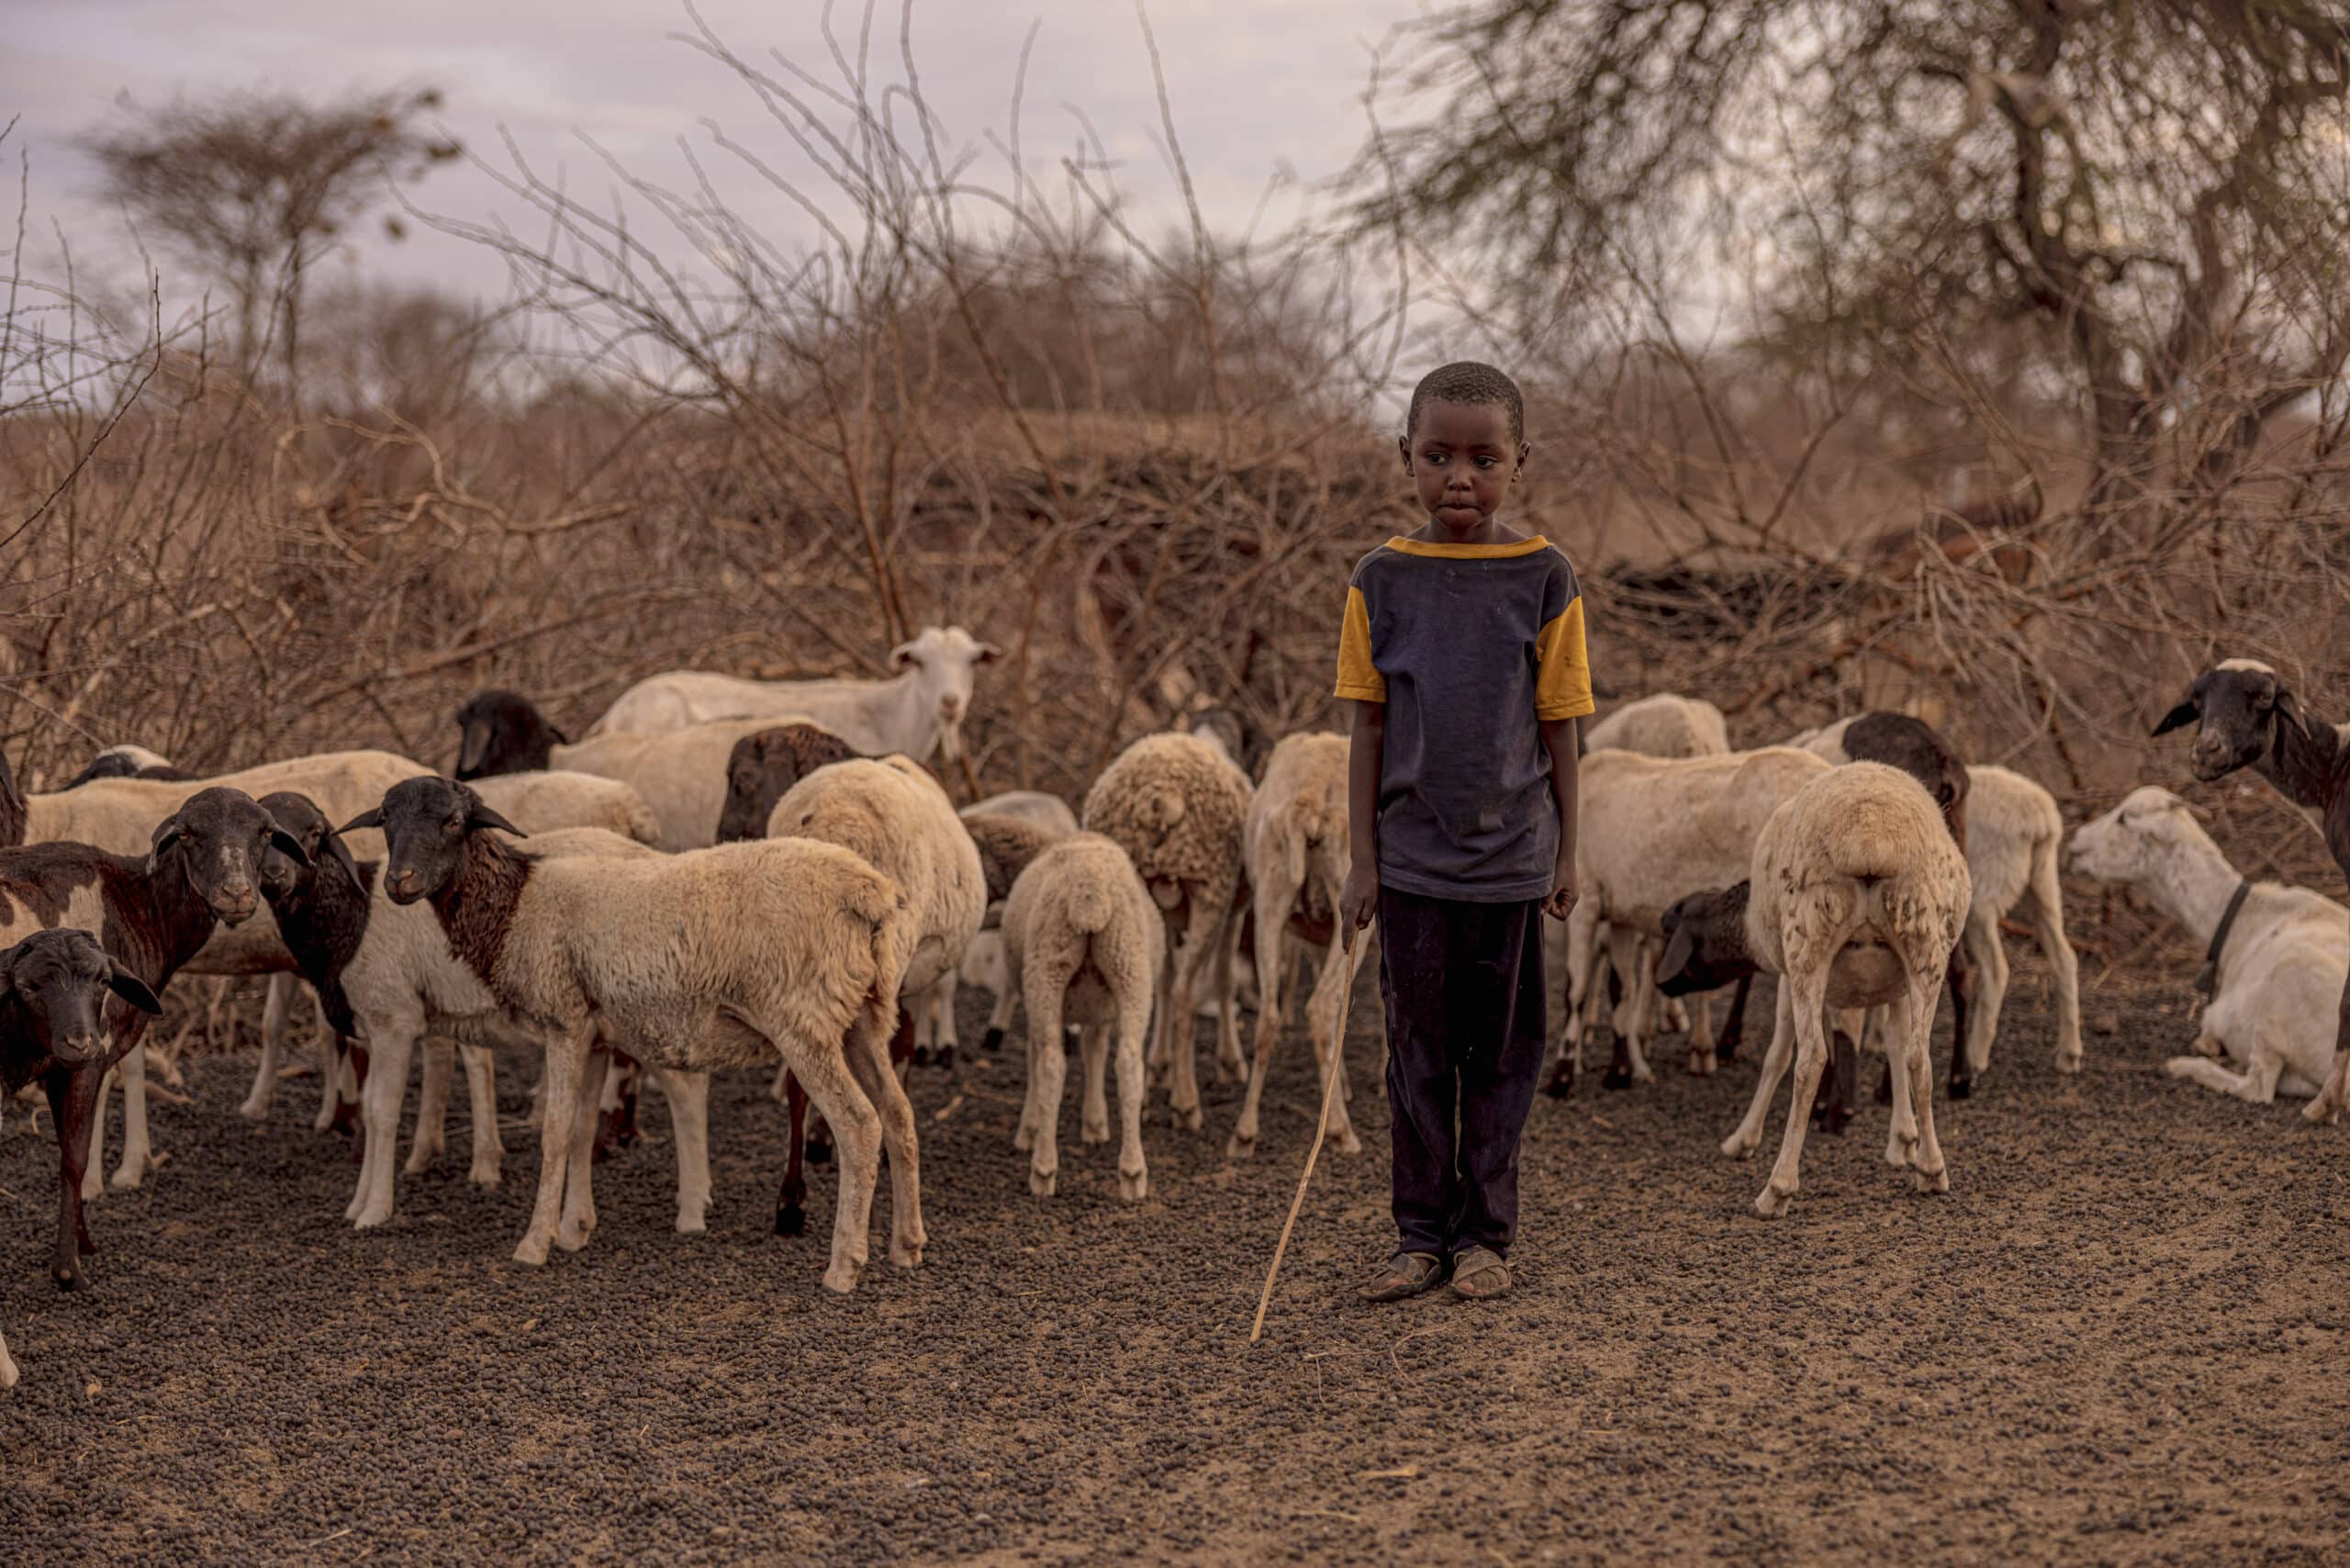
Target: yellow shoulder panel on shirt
[1359, 679]
[1563, 667]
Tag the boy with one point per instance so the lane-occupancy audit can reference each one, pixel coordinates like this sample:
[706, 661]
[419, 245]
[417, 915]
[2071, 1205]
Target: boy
[1463, 653]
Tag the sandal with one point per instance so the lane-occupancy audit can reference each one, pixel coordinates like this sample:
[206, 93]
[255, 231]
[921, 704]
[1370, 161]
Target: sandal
[1479, 1274]
[1405, 1274]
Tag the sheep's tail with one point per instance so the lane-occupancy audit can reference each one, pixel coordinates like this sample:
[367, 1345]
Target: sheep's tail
[643, 826]
[1159, 810]
[1088, 908]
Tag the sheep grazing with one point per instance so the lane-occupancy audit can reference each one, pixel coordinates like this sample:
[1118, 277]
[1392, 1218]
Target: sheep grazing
[1854, 899]
[1230, 731]
[2246, 716]
[501, 731]
[152, 914]
[763, 767]
[386, 975]
[1653, 830]
[1177, 807]
[1298, 855]
[893, 815]
[1007, 847]
[1083, 946]
[2014, 833]
[1666, 725]
[2280, 957]
[53, 991]
[719, 957]
[917, 711]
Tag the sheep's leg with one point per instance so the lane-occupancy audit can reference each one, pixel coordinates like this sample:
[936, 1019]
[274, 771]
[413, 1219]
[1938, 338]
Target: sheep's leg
[1633, 1021]
[1045, 993]
[1901, 1127]
[1162, 1040]
[947, 1035]
[566, 1062]
[1960, 976]
[616, 1125]
[1838, 1087]
[1230, 1067]
[1133, 1028]
[1094, 1125]
[2046, 899]
[1697, 1019]
[1748, 1135]
[1583, 956]
[780, 1090]
[94, 1148]
[1809, 985]
[71, 1094]
[1000, 1017]
[791, 1199]
[579, 1221]
[2327, 1106]
[822, 1070]
[1331, 988]
[1275, 896]
[136, 1149]
[391, 1046]
[871, 1065]
[430, 1139]
[1733, 1031]
[1933, 1171]
[688, 1096]
[1200, 936]
[488, 1166]
[351, 1082]
[7, 1367]
[272, 1041]
[1988, 957]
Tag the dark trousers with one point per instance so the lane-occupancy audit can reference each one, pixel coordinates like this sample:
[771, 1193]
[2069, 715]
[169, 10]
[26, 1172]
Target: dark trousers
[1463, 987]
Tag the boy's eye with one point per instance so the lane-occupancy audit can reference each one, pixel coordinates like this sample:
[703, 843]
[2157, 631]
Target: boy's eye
[1487, 462]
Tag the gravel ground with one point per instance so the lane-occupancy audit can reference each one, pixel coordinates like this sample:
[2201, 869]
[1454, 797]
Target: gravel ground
[2112, 1342]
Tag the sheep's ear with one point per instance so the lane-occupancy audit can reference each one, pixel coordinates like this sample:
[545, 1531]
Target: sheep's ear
[988, 652]
[1677, 954]
[480, 815]
[560, 738]
[2178, 717]
[332, 844]
[2290, 706]
[372, 817]
[131, 989]
[167, 833]
[289, 846]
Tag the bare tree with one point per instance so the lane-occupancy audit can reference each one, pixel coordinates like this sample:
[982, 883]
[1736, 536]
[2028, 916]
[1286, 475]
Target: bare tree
[253, 185]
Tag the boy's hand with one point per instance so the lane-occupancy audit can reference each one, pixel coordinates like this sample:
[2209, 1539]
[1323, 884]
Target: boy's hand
[1564, 891]
[1358, 901]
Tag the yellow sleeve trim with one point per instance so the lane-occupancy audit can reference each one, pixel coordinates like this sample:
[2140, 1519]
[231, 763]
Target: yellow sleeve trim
[1357, 677]
[1563, 667]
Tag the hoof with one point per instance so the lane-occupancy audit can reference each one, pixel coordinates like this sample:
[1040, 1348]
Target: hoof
[1701, 1064]
[1349, 1144]
[1024, 1139]
[370, 1218]
[992, 1041]
[819, 1151]
[254, 1110]
[1735, 1146]
[1901, 1153]
[691, 1224]
[945, 1057]
[1961, 1089]
[486, 1177]
[75, 1279]
[127, 1177]
[1772, 1203]
[2185, 1067]
[922, 1056]
[1191, 1121]
[572, 1238]
[905, 1254]
[840, 1278]
[1097, 1133]
[1832, 1120]
[2068, 1063]
[1562, 1081]
[1617, 1078]
[1934, 1182]
[2321, 1111]
[1133, 1189]
[1043, 1183]
[790, 1219]
[1239, 1147]
[532, 1251]
[1725, 1051]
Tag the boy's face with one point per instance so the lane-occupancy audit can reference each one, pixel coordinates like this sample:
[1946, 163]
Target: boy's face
[1461, 457]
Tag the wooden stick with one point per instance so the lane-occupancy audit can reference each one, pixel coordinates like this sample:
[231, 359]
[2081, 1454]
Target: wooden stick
[1338, 1069]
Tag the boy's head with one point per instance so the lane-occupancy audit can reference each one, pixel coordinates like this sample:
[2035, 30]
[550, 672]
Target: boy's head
[1464, 442]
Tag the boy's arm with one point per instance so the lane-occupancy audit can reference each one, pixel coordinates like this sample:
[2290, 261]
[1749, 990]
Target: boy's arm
[1559, 740]
[1360, 899]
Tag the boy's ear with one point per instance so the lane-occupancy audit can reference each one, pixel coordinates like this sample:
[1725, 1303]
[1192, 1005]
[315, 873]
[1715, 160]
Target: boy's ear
[1404, 450]
[1525, 451]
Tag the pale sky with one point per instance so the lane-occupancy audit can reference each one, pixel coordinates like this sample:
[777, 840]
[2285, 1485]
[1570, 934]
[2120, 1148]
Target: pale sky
[1256, 86]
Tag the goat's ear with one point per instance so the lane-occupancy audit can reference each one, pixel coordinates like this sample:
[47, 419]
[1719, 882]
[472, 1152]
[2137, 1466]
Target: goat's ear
[2178, 717]
[167, 833]
[480, 815]
[2290, 706]
[289, 846]
[902, 656]
[988, 652]
[131, 989]
[1677, 954]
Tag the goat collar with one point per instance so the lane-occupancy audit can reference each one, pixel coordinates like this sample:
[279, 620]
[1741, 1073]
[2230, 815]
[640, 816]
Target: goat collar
[2207, 978]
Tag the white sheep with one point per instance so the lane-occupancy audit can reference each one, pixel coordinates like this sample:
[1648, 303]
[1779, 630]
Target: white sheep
[1176, 805]
[917, 711]
[1083, 946]
[681, 773]
[1666, 725]
[2014, 834]
[1006, 845]
[1047, 812]
[2280, 972]
[713, 958]
[1855, 896]
[1298, 853]
[1653, 829]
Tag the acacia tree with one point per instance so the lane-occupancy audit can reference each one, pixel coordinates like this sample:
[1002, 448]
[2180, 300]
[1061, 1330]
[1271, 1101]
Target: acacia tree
[253, 186]
[2156, 189]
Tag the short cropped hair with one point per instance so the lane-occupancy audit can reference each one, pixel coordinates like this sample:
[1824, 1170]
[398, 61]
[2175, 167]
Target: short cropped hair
[1479, 385]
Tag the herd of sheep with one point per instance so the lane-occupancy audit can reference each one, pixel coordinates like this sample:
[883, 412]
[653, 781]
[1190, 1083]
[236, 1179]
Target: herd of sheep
[725, 873]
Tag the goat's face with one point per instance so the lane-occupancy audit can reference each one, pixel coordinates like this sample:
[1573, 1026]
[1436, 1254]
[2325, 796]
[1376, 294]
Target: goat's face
[2123, 844]
[61, 978]
[219, 838]
[942, 660]
[1704, 942]
[425, 823]
[281, 874]
[2234, 707]
[503, 732]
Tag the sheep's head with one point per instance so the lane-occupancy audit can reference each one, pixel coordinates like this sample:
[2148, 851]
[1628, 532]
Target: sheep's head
[940, 661]
[1704, 942]
[280, 875]
[2123, 844]
[218, 838]
[2235, 706]
[425, 824]
[836, 806]
[503, 732]
[59, 980]
[764, 767]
